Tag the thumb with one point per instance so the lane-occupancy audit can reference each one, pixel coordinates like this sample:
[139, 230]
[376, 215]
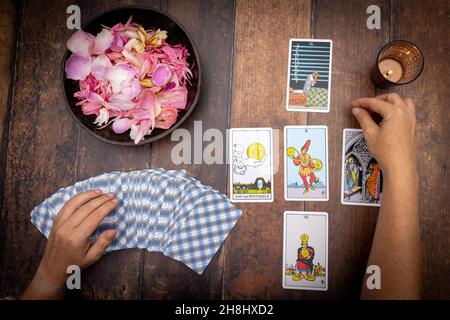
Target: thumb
[98, 248]
[365, 120]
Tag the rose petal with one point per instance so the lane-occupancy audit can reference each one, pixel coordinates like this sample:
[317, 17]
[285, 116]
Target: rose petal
[161, 75]
[117, 44]
[81, 42]
[100, 66]
[131, 90]
[78, 66]
[166, 118]
[122, 125]
[177, 98]
[119, 74]
[103, 41]
[117, 102]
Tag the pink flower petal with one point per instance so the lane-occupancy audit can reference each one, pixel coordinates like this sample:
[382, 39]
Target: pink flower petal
[95, 98]
[81, 42]
[131, 90]
[144, 128]
[161, 75]
[122, 125]
[166, 118]
[176, 98]
[78, 66]
[100, 66]
[103, 41]
[117, 44]
[117, 102]
[119, 74]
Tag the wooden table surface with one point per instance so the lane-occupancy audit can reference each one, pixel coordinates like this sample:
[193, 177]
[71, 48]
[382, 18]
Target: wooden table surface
[243, 46]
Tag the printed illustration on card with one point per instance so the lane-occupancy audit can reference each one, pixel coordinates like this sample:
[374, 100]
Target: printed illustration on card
[305, 250]
[309, 75]
[306, 163]
[251, 172]
[361, 175]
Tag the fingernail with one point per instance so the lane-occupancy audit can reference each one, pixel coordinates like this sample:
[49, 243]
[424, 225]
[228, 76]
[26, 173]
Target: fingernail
[356, 110]
[110, 194]
[98, 191]
[115, 201]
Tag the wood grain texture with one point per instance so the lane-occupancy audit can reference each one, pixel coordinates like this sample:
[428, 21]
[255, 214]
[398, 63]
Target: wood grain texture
[253, 250]
[432, 98]
[7, 63]
[355, 47]
[211, 24]
[42, 145]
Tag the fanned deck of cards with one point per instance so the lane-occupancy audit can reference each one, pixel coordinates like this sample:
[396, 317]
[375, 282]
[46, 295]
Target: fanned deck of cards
[160, 210]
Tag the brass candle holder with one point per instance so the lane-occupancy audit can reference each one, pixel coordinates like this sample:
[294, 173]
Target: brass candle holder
[398, 62]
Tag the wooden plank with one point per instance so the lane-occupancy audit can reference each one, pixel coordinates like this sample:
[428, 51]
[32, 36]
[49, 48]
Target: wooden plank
[42, 140]
[122, 278]
[354, 52]
[8, 21]
[7, 63]
[211, 24]
[253, 251]
[431, 95]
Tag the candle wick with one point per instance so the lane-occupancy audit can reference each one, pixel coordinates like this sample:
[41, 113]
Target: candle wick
[388, 73]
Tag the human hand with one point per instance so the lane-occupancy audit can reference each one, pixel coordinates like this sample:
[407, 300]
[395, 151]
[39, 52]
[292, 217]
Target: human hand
[69, 244]
[393, 141]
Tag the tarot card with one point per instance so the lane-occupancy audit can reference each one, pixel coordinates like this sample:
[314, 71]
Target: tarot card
[309, 75]
[362, 180]
[251, 165]
[305, 250]
[306, 163]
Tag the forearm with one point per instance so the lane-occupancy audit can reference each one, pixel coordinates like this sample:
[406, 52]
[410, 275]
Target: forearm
[396, 246]
[43, 288]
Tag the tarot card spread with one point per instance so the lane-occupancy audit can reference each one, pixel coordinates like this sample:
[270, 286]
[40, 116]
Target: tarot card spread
[305, 250]
[361, 175]
[306, 163]
[309, 75]
[159, 210]
[251, 165]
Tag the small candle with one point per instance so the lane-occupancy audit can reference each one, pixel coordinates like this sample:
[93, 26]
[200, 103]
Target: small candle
[391, 69]
[398, 62]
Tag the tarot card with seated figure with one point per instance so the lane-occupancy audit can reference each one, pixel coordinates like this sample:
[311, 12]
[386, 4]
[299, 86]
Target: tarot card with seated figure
[362, 180]
[305, 250]
[309, 75]
[306, 163]
[251, 165]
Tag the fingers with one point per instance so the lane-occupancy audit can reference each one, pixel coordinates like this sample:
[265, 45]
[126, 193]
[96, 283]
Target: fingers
[410, 104]
[92, 221]
[365, 120]
[86, 209]
[373, 104]
[98, 248]
[393, 98]
[77, 201]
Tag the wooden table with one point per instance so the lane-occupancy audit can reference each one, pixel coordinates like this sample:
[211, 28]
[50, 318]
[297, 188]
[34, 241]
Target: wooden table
[243, 47]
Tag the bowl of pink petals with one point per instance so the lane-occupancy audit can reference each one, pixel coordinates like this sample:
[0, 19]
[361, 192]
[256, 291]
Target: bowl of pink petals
[131, 76]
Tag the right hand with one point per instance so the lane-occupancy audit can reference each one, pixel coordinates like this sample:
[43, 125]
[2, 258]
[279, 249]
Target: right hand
[69, 243]
[393, 141]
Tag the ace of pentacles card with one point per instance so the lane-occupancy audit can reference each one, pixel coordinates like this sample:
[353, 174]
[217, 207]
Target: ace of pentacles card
[362, 179]
[305, 250]
[251, 165]
[309, 75]
[306, 163]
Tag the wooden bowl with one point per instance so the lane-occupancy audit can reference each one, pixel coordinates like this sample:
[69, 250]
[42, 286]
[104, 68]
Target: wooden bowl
[149, 19]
